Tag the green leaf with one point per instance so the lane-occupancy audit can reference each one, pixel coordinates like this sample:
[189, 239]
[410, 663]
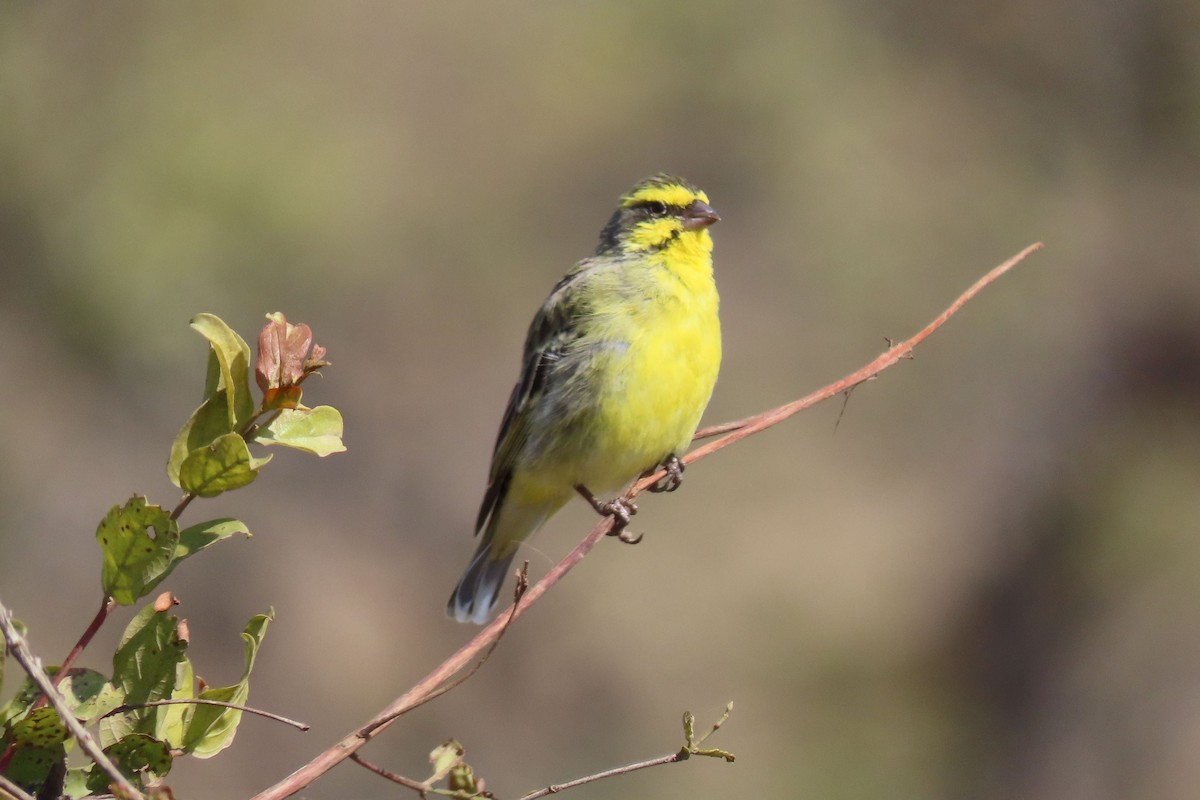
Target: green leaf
[314, 430]
[31, 764]
[224, 465]
[463, 780]
[213, 379]
[20, 627]
[24, 699]
[145, 669]
[89, 694]
[233, 359]
[227, 405]
[75, 786]
[138, 541]
[171, 721]
[206, 424]
[39, 728]
[444, 758]
[200, 536]
[212, 728]
[689, 728]
[141, 758]
[713, 752]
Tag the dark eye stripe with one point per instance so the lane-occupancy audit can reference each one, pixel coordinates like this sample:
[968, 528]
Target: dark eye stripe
[655, 208]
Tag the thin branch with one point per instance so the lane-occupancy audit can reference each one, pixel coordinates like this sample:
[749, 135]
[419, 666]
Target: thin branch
[10, 791]
[106, 607]
[740, 429]
[690, 748]
[555, 788]
[182, 506]
[734, 432]
[430, 683]
[33, 665]
[418, 787]
[518, 592]
[197, 701]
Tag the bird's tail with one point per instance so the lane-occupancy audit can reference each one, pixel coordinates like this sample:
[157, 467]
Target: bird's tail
[479, 587]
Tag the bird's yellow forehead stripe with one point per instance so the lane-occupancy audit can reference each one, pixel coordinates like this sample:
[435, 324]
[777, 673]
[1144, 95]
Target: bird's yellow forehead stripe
[672, 195]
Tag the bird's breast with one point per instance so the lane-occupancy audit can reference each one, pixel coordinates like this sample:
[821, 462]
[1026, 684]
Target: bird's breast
[654, 365]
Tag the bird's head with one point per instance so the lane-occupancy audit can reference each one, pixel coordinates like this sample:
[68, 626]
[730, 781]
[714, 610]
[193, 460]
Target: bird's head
[658, 214]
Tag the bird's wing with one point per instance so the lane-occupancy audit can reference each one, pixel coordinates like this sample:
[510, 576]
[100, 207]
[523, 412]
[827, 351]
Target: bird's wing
[552, 330]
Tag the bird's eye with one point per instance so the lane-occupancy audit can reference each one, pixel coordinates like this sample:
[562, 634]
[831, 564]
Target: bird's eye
[656, 207]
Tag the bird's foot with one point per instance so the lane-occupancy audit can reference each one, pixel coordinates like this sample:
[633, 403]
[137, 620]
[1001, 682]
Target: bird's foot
[621, 510]
[674, 477]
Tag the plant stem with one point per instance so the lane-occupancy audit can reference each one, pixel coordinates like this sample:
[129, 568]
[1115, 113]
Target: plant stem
[33, 666]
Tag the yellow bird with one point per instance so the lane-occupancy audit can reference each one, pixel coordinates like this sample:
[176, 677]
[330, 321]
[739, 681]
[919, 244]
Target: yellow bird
[619, 364]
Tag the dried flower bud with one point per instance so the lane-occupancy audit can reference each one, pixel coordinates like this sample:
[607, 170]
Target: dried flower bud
[282, 351]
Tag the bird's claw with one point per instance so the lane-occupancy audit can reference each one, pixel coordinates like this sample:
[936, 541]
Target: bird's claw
[626, 536]
[673, 479]
[621, 509]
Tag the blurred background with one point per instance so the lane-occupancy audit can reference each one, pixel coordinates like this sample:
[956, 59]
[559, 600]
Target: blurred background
[981, 583]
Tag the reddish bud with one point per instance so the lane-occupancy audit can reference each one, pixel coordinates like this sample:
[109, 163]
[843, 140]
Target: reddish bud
[282, 353]
[164, 602]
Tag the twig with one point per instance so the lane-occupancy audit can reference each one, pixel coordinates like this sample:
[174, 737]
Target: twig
[418, 787]
[197, 701]
[10, 791]
[443, 672]
[555, 788]
[33, 665]
[422, 788]
[184, 502]
[689, 749]
[106, 607]
[740, 429]
[734, 432]
[518, 592]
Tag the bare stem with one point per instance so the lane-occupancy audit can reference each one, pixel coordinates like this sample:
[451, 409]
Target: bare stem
[733, 432]
[197, 701]
[106, 607]
[518, 592]
[10, 791]
[33, 666]
[418, 787]
[555, 788]
[183, 504]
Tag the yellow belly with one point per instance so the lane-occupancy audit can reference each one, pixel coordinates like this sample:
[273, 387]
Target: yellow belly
[653, 382]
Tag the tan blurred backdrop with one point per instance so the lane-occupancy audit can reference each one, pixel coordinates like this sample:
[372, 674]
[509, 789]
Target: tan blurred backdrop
[982, 584]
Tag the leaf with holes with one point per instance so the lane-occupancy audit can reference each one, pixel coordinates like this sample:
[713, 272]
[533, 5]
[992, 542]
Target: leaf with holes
[39, 728]
[141, 758]
[138, 542]
[31, 765]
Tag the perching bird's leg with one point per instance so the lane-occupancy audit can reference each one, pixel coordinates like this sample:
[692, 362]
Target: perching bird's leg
[672, 480]
[619, 509]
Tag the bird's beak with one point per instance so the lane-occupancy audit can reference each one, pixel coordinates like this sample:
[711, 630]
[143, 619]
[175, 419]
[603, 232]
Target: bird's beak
[698, 216]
